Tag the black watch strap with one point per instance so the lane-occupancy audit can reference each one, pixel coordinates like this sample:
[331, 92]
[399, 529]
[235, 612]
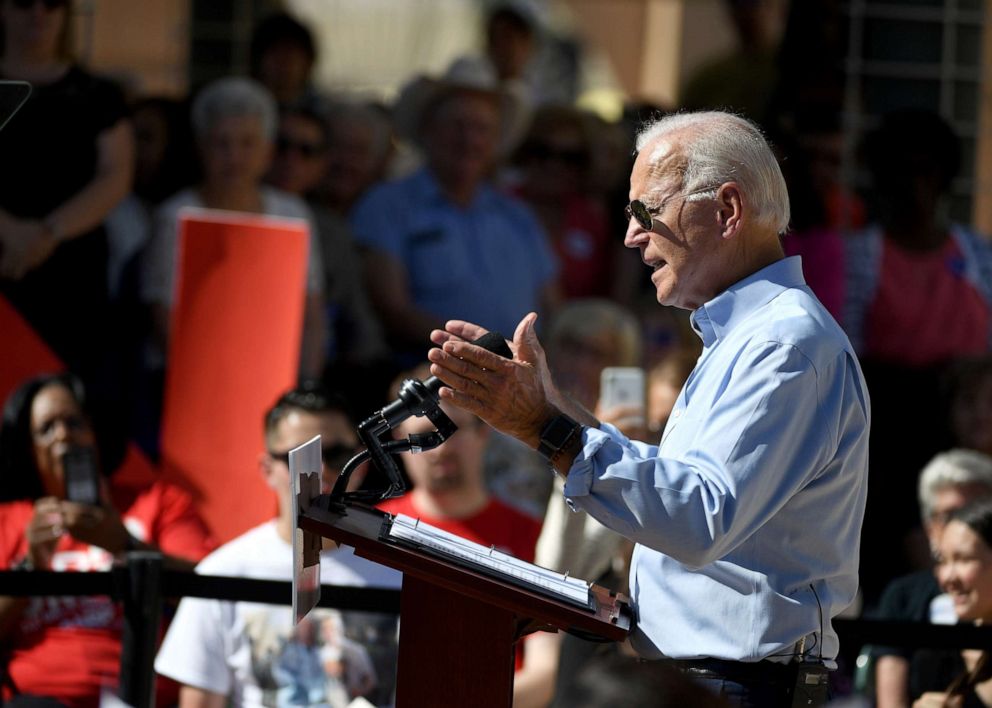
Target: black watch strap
[559, 434]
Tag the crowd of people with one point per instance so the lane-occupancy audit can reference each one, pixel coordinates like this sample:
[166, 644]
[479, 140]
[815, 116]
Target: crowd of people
[477, 198]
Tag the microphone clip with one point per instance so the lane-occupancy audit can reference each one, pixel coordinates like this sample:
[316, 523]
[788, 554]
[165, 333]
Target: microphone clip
[420, 402]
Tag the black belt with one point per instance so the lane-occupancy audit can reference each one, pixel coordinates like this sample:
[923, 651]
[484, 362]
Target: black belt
[765, 672]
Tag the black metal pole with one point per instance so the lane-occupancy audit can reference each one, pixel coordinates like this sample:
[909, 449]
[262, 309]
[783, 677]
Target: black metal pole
[141, 595]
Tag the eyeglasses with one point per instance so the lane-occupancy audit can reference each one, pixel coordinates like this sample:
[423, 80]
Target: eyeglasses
[334, 456]
[48, 4]
[645, 214]
[308, 150]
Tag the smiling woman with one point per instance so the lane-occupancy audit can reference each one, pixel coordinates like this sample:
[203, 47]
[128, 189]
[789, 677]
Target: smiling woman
[964, 569]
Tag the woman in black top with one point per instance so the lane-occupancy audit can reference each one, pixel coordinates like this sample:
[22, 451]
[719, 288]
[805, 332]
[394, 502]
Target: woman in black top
[65, 162]
[964, 569]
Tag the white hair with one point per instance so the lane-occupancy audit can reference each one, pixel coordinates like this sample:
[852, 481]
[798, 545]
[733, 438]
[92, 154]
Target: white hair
[723, 147]
[954, 468]
[234, 96]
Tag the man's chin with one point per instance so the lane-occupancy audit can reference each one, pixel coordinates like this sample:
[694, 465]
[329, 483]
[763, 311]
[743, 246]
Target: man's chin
[445, 485]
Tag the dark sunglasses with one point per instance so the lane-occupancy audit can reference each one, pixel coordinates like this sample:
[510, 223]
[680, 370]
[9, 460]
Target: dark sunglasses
[334, 456]
[308, 150]
[48, 4]
[645, 214]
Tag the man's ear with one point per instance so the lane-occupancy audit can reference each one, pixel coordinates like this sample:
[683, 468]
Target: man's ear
[730, 204]
[265, 468]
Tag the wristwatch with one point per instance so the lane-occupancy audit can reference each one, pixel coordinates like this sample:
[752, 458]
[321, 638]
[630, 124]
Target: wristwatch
[560, 435]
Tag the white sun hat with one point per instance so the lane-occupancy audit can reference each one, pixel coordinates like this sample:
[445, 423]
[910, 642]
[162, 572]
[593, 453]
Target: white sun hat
[473, 74]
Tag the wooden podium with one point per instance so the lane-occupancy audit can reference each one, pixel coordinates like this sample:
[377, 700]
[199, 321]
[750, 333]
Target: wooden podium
[458, 626]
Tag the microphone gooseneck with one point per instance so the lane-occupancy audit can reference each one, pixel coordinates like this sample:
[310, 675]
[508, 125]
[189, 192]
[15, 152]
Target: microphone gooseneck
[416, 398]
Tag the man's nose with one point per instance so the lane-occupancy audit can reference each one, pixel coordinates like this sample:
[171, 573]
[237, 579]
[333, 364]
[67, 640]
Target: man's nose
[635, 235]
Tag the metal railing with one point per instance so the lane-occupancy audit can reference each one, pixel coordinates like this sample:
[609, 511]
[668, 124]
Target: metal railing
[142, 584]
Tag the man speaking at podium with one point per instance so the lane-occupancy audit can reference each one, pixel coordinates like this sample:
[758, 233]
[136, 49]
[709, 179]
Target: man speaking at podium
[747, 514]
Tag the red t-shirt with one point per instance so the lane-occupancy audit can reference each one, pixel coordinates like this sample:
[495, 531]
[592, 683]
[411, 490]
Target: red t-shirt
[925, 311]
[495, 525]
[585, 248]
[68, 648]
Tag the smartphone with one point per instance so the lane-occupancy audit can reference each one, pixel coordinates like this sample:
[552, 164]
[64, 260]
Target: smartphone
[82, 478]
[622, 386]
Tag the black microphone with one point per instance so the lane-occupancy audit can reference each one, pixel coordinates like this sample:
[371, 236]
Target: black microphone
[419, 397]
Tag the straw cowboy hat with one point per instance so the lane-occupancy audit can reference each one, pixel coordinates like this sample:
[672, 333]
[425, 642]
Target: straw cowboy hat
[472, 74]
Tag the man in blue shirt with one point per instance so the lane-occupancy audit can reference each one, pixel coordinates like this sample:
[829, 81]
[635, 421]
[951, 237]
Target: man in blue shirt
[747, 515]
[442, 242]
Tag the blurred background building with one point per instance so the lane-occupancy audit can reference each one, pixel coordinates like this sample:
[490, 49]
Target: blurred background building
[891, 54]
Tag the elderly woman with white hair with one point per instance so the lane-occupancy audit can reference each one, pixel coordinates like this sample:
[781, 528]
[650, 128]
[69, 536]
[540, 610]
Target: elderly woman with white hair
[234, 123]
[950, 481]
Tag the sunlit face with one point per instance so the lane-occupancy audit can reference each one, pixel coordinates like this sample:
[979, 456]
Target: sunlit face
[296, 428]
[57, 423]
[964, 570]
[684, 248]
[461, 136]
[455, 466]
[236, 152]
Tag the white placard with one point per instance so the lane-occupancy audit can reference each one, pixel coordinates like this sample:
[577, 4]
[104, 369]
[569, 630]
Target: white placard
[304, 478]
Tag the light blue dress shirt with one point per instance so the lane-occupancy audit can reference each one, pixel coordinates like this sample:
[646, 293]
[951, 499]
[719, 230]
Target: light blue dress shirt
[747, 516]
[487, 262]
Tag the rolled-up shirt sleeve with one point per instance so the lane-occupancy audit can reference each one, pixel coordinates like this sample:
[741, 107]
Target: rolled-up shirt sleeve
[727, 464]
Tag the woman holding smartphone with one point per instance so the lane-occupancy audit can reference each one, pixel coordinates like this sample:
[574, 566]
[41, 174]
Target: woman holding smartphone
[65, 650]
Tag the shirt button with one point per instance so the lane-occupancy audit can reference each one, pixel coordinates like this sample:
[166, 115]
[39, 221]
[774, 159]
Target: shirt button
[677, 413]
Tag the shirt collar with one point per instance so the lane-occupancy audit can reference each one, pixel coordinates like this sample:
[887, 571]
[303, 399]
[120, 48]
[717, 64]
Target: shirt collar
[715, 318]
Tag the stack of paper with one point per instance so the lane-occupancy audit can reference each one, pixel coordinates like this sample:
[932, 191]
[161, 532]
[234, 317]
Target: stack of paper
[415, 533]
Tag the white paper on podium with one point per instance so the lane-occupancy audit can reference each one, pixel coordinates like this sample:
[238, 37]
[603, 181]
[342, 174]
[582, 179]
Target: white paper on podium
[488, 560]
[304, 479]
